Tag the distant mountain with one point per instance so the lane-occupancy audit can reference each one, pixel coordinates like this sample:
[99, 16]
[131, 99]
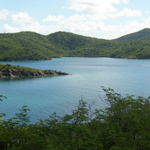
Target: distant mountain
[25, 46]
[68, 41]
[140, 35]
[34, 46]
[78, 45]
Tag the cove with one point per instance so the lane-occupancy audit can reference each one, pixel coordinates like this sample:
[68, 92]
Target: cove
[45, 95]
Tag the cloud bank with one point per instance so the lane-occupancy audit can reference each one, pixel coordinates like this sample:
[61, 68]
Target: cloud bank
[96, 18]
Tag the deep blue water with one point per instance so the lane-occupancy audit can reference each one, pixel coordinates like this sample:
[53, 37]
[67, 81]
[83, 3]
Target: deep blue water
[60, 94]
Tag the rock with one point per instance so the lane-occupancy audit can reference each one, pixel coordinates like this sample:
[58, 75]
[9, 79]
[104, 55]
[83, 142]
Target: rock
[17, 71]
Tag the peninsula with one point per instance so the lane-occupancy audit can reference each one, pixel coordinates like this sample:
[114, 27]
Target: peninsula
[7, 70]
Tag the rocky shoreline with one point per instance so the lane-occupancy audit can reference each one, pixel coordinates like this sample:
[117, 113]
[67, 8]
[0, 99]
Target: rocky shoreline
[17, 71]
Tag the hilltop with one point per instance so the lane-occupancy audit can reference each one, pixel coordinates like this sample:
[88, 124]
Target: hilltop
[34, 46]
[25, 46]
[140, 35]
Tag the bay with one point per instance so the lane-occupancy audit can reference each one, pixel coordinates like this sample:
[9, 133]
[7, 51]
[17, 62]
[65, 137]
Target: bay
[45, 95]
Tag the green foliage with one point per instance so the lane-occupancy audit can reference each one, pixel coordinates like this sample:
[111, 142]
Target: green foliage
[128, 120]
[33, 46]
[135, 49]
[21, 117]
[2, 114]
[123, 125]
[25, 46]
[140, 35]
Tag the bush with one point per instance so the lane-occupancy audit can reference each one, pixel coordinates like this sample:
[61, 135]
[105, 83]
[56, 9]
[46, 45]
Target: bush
[123, 125]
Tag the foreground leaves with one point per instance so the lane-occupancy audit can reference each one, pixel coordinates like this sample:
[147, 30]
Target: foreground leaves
[123, 125]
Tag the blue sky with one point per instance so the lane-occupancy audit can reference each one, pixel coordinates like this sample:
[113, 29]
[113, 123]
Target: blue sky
[106, 19]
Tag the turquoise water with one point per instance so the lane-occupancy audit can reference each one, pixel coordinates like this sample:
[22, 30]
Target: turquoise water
[46, 95]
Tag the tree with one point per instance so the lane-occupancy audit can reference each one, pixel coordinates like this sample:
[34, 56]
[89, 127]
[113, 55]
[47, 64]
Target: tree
[123, 125]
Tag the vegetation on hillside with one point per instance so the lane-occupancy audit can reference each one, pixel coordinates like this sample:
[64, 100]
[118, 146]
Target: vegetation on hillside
[140, 35]
[33, 46]
[134, 49]
[25, 46]
[123, 125]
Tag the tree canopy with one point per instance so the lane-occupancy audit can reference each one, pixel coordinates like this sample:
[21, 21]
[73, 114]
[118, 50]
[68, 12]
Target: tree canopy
[34, 46]
[123, 125]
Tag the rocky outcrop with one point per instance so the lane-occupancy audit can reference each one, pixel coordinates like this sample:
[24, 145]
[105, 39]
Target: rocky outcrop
[16, 71]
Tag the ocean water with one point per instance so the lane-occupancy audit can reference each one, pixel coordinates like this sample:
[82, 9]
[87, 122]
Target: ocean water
[45, 95]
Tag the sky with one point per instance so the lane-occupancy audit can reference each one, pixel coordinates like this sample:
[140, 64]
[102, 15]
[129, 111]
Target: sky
[104, 19]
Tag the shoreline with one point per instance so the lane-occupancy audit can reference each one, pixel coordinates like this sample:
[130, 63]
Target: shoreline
[11, 71]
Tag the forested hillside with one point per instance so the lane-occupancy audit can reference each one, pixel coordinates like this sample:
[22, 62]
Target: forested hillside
[26, 46]
[77, 45]
[140, 35]
[34, 46]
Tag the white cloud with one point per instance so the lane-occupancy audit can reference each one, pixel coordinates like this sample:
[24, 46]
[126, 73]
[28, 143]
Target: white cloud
[126, 12]
[100, 29]
[89, 28]
[102, 20]
[10, 29]
[94, 6]
[103, 9]
[22, 17]
[130, 13]
[51, 18]
[87, 25]
[147, 21]
[124, 1]
[34, 27]
[147, 12]
[4, 14]
[114, 31]
[76, 18]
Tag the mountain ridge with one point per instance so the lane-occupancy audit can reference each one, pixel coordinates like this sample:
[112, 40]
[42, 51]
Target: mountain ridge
[143, 34]
[28, 45]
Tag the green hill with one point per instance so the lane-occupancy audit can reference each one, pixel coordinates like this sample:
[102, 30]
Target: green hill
[134, 45]
[34, 46]
[68, 41]
[26, 46]
[77, 45]
[140, 35]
